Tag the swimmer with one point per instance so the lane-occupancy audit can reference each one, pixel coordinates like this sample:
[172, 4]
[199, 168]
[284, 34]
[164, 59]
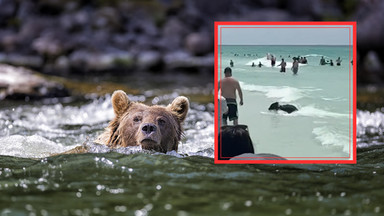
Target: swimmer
[260, 64]
[283, 64]
[231, 63]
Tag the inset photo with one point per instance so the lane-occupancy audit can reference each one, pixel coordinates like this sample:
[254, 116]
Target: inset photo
[285, 92]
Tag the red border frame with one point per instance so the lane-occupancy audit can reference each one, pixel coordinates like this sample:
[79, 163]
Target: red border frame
[218, 68]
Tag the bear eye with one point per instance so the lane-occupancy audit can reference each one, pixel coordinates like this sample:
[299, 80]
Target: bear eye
[137, 119]
[161, 122]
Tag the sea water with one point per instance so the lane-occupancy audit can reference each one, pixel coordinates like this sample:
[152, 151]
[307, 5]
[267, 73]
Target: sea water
[322, 126]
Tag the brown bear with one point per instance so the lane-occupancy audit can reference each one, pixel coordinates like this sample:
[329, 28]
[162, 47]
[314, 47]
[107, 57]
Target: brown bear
[153, 127]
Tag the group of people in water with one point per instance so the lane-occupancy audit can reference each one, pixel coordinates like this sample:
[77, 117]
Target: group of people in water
[295, 64]
[282, 65]
[330, 62]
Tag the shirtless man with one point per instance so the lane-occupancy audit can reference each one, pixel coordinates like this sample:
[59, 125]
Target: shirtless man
[283, 64]
[228, 87]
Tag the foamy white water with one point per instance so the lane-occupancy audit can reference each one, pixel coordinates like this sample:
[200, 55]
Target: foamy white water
[40, 131]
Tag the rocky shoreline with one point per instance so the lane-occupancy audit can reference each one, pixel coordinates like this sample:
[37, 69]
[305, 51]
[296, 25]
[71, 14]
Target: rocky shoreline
[93, 38]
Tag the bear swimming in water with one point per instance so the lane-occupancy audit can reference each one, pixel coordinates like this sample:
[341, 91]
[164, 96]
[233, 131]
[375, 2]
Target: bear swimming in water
[153, 127]
[287, 108]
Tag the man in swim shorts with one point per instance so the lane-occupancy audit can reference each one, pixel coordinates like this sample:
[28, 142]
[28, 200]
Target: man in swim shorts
[228, 87]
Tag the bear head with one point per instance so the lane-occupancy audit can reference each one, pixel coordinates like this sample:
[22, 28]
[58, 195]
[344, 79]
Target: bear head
[274, 106]
[153, 127]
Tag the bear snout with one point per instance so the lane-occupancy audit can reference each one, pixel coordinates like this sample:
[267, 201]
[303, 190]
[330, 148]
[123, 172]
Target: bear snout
[149, 135]
[148, 128]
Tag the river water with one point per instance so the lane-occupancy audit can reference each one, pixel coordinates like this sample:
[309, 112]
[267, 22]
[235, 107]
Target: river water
[129, 181]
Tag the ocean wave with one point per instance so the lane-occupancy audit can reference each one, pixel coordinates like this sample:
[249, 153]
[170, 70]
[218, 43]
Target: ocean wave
[316, 55]
[282, 93]
[310, 111]
[329, 137]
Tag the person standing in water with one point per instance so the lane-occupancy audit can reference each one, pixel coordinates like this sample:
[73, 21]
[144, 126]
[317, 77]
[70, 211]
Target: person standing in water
[283, 64]
[228, 87]
[231, 63]
[273, 61]
[295, 66]
[322, 61]
[338, 61]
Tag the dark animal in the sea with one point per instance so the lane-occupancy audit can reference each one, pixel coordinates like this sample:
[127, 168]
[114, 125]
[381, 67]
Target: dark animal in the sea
[287, 107]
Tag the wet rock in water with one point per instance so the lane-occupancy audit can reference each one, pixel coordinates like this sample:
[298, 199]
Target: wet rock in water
[199, 43]
[22, 84]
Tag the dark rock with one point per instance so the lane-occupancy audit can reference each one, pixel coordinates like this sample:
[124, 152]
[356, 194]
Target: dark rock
[62, 64]
[49, 46]
[310, 7]
[31, 61]
[262, 3]
[183, 60]
[100, 61]
[212, 8]
[199, 43]
[268, 14]
[51, 7]
[148, 60]
[24, 84]
[173, 34]
[106, 18]
[370, 31]
[7, 10]
[8, 41]
[75, 21]
[142, 25]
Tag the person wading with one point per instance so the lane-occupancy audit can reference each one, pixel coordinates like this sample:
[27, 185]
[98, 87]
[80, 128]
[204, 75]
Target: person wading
[228, 87]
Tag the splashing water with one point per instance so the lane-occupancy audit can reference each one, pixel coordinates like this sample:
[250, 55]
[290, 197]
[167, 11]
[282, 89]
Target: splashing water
[40, 131]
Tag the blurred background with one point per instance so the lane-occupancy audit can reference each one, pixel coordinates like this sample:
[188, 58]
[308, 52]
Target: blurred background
[69, 38]
[61, 59]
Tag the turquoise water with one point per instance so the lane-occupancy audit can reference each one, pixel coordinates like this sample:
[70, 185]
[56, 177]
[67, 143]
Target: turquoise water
[323, 95]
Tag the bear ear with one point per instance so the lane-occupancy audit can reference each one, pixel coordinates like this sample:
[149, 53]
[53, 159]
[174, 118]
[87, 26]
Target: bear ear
[120, 102]
[179, 107]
